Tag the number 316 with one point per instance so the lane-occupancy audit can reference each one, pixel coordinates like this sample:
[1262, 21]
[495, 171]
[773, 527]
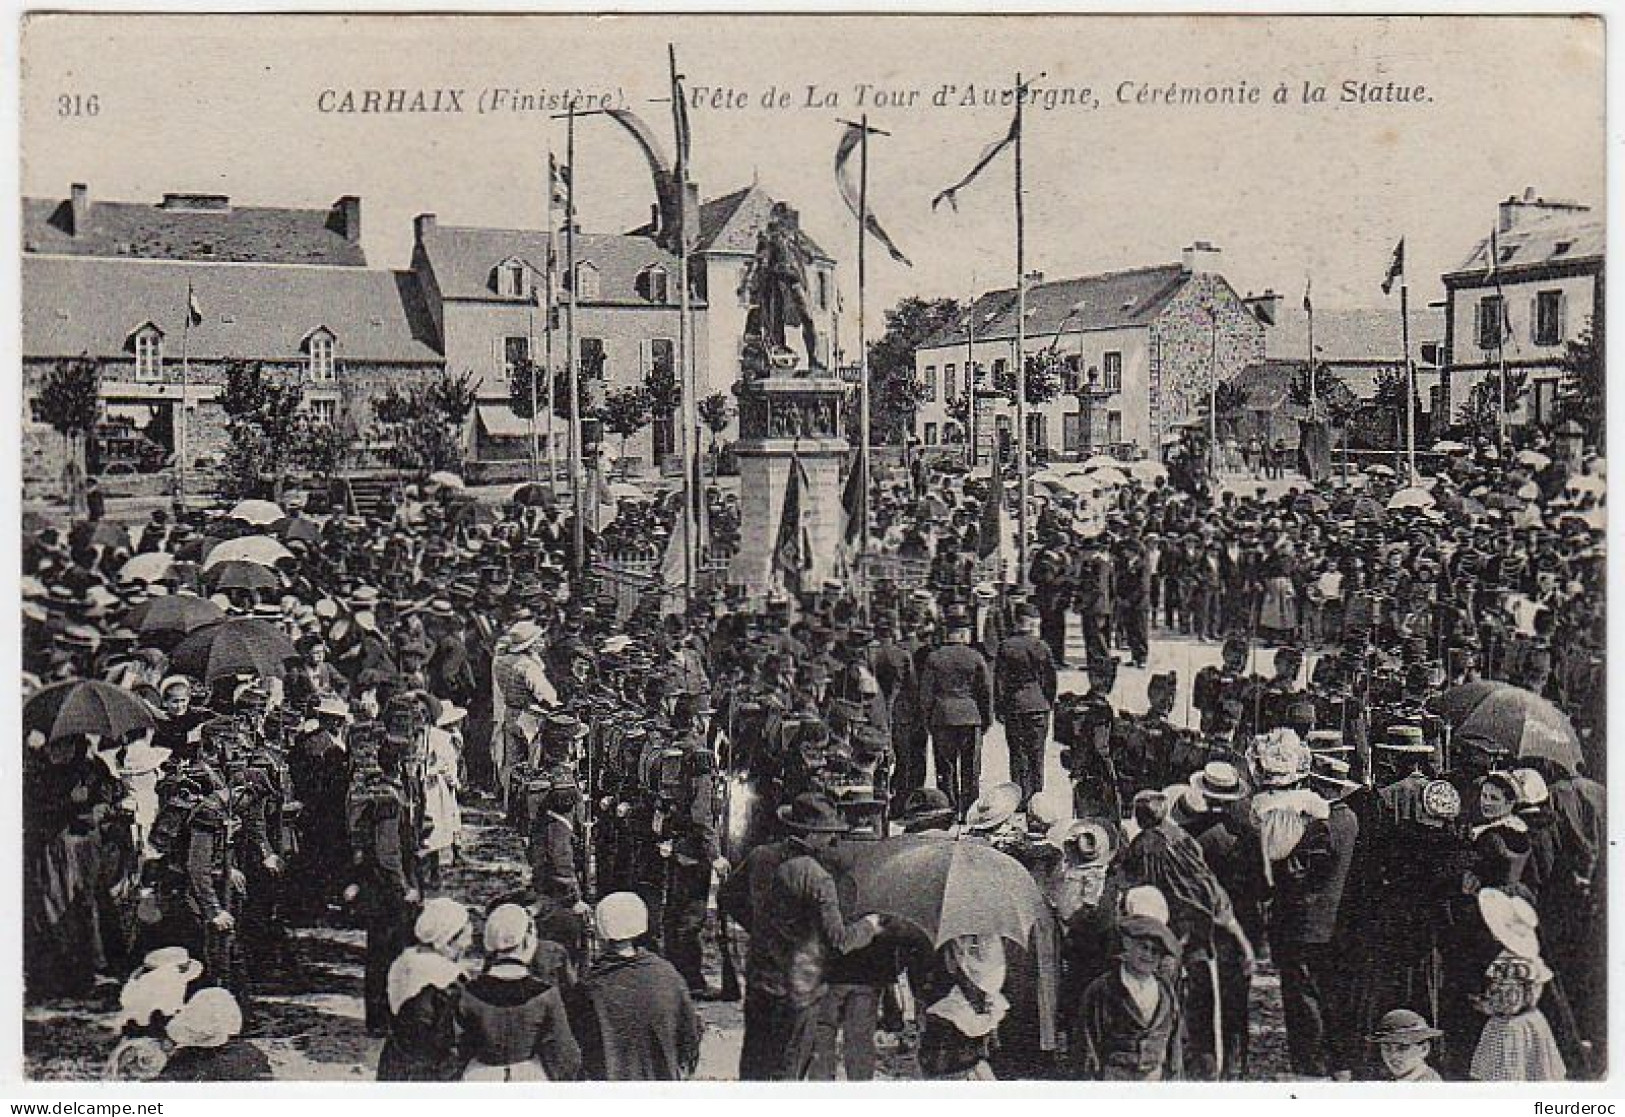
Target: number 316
[78, 104]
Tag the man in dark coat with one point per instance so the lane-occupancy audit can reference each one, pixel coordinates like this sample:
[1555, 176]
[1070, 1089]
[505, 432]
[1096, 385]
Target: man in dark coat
[1095, 598]
[632, 1014]
[1024, 692]
[893, 667]
[956, 697]
[1052, 591]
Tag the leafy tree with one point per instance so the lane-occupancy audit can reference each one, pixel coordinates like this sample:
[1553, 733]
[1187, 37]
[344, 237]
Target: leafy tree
[1583, 395]
[526, 378]
[423, 422]
[894, 391]
[716, 412]
[70, 401]
[1328, 386]
[561, 394]
[265, 420]
[1044, 378]
[958, 409]
[625, 411]
[1479, 414]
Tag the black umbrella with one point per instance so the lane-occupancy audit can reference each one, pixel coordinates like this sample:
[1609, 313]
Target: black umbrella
[242, 646]
[86, 706]
[164, 621]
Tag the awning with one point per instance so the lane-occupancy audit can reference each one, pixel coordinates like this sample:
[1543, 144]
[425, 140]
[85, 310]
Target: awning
[499, 421]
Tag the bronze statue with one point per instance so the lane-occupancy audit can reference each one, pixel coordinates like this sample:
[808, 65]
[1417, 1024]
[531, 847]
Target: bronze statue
[774, 286]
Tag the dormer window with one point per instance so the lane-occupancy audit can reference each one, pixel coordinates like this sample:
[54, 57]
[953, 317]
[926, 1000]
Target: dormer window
[653, 283]
[586, 285]
[148, 344]
[513, 278]
[1561, 248]
[319, 364]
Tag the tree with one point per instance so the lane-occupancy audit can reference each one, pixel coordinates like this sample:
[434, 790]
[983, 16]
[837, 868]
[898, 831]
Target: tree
[625, 411]
[1380, 425]
[265, 418]
[1328, 386]
[561, 394]
[894, 391]
[1044, 378]
[70, 401]
[423, 423]
[526, 382]
[1583, 395]
[716, 412]
[1480, 413]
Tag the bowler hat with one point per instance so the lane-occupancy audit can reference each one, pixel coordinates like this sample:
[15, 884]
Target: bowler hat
[1144, 928]
[926, 808]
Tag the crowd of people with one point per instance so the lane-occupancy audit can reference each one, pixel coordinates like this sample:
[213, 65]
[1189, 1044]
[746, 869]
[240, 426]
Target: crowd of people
[242, 721]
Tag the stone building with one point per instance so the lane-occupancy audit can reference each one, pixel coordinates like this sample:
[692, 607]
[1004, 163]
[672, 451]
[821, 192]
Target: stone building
[287, 288]
[1140, 350]
[1546, 286]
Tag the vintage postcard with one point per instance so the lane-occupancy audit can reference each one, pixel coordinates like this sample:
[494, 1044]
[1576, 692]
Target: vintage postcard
[812, 548]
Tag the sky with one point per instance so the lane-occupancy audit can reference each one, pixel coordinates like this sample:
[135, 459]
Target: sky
[230, 104]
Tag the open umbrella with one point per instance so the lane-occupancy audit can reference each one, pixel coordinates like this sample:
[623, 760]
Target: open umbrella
[165, 621]
[153, 566]
[948, 888]
[1101, 461]
[532, 494]
[289, 528]
[260, 513]
[1378, 470]
[625, 490]
[81, 706]
[1366, 508]
[241, 646]
[249, 548]
[1107, 476]
[235, 574]
[446, 479]
[1413, 497]
[1528, 491]
[1519, 721]
[1533, 458]
[1446, 446]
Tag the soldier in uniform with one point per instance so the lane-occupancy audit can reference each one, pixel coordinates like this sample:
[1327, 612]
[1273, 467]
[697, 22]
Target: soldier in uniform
[894, 671]
[1094, 598]
[1024, 691]
[382, 844]
[1087, 751]
[1266, 702]
[956, 697]
[1212, 684]
[215, 884]
[691, 844]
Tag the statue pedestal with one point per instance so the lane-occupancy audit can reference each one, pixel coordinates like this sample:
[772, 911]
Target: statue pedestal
[781, 418]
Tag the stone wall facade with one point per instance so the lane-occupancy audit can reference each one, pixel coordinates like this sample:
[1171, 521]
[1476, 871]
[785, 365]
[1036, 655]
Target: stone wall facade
[1205, 325]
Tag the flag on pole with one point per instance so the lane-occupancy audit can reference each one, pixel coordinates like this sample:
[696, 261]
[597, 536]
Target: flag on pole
[194, 312]
[991, 527]
[1396, 268]
[852, 501]
[1494, 276]
[989, 153]
[558, 177]
[679, 121]
[850, 141]
[1308, 304]
[792, 551]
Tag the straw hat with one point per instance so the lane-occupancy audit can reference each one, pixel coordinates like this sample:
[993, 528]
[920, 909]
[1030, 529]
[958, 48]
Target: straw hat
[995, 807]
[1512, 920]
[1219, 782]
[1403, 1026]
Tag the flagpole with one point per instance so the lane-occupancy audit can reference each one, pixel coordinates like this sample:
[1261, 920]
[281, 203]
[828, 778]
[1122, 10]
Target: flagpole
[181, 431]
[1021, 357]
[1410, 376]
[1501, 418]
[1309, 308]
[577, 482]
[970, 374]
[863, 345]
[547, 326]
[530, 359]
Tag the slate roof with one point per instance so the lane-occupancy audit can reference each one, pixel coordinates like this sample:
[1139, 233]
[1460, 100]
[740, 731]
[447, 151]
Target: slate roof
[259, 234]
[74, 305]
[464, 260]
[730, 223]
[1538, 242]
[1109, 301]
[1365, 336]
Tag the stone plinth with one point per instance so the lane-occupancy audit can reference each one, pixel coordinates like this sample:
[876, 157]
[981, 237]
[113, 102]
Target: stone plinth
[782, 418]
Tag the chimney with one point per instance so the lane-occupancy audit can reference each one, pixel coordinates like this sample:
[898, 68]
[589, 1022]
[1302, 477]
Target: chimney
[345, 219]
[1266, 307]
[80, 208]
[1200, 258]
[421, 224]
[1517, 212]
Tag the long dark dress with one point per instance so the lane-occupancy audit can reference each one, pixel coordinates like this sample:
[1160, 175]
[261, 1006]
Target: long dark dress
[236, 1061]
[422, 1043]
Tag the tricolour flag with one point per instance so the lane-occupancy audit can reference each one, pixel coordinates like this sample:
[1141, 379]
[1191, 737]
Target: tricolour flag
[558, 180]
[1396, 268]
[194, 312]
[950, 195]
[850, 141]
[792, 551]
[1308, 304]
